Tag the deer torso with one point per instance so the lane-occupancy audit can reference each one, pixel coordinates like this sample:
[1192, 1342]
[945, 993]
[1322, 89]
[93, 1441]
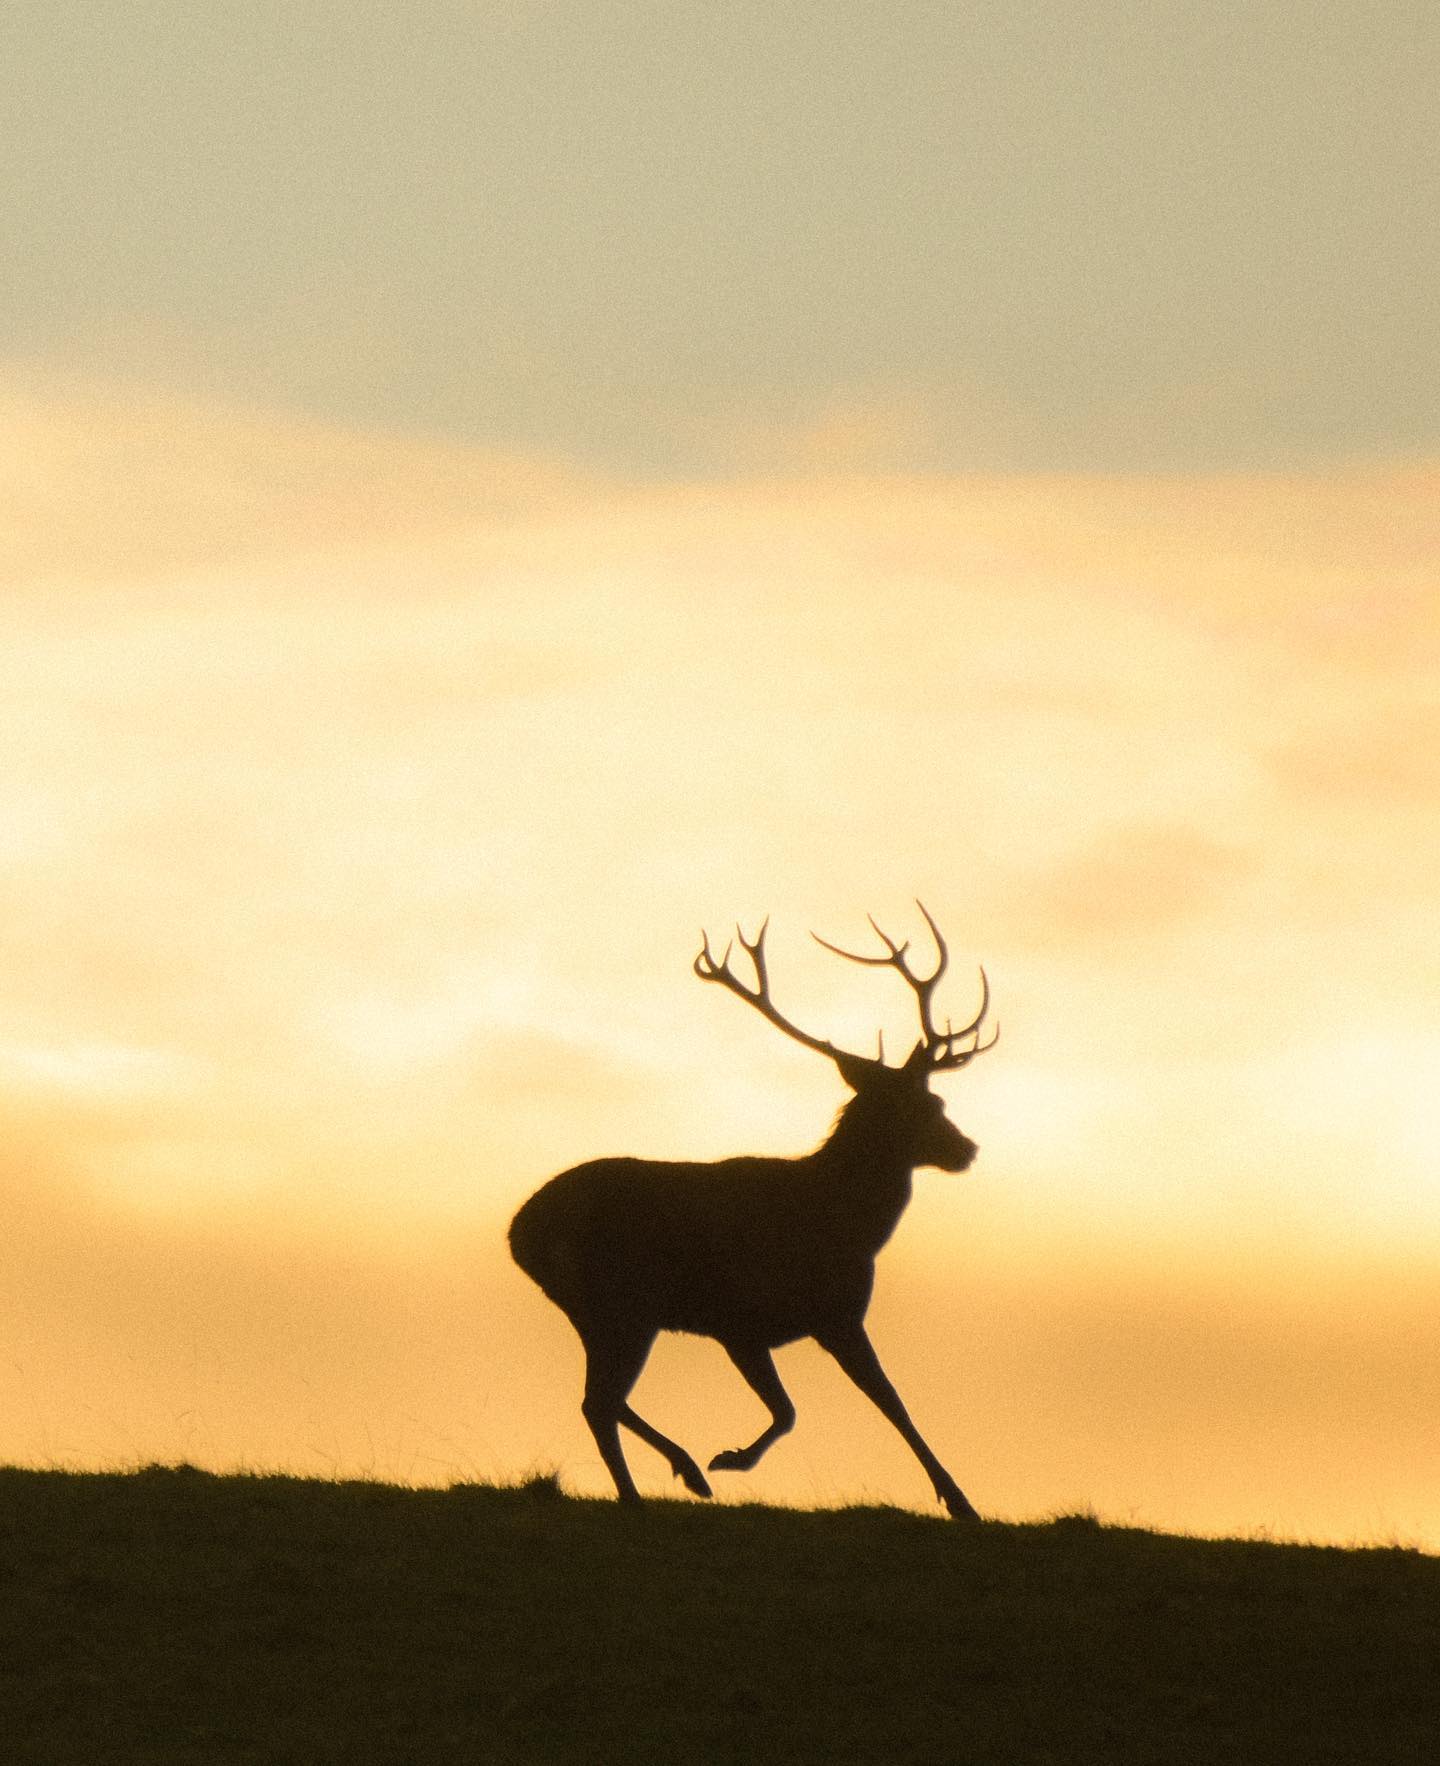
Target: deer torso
[772, 1249]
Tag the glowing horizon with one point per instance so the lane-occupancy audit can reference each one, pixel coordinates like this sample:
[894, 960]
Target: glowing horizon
[352, 887]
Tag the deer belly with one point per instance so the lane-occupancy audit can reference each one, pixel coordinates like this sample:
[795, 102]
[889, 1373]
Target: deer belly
[760, 1300]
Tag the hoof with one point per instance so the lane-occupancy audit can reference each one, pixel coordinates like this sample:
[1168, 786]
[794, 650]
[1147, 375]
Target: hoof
[734, 1459]
[693, 1479]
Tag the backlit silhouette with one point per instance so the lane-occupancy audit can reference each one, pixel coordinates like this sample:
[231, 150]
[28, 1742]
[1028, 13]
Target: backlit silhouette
[754, 1252]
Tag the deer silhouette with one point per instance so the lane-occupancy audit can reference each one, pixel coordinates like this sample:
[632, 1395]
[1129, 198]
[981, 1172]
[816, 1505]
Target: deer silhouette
[755, 1252]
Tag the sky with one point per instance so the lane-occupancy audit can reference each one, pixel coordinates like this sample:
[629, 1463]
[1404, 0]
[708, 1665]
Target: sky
[486, 493]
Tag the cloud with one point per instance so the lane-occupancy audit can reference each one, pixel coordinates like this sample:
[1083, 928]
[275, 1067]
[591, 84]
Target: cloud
[337, 821]
[1136, 881]
[1366, 756]
[107, 482]
[854, 432]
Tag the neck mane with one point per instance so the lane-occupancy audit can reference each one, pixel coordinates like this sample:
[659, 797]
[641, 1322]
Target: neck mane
[864, 1172]
[864, 1129]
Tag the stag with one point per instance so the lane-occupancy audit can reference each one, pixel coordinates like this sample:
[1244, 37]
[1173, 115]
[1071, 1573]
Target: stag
[755, 1252]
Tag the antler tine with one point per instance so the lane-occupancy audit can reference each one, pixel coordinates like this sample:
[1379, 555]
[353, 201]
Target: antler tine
[891, 960]
[955, 1058]
[755, 950]
[946, 1055]
[942, 954]
[923, 986]
[979, 1018]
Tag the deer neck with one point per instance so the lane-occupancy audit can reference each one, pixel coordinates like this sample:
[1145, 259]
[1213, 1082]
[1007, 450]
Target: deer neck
[862, 1163]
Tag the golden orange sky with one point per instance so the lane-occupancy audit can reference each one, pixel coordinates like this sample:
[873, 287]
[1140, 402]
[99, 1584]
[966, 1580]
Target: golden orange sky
[361, 803]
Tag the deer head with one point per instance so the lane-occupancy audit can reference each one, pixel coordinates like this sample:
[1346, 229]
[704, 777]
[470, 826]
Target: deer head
[898, 1098]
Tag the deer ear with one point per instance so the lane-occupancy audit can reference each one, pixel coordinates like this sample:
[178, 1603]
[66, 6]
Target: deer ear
[918, 1060]
[856, 1070]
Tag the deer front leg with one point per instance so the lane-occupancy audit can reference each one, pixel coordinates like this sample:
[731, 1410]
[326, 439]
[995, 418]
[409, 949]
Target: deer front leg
[855, 1353]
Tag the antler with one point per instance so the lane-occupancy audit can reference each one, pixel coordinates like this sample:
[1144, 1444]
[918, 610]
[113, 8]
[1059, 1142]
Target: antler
[708, 969]
[943, 1049]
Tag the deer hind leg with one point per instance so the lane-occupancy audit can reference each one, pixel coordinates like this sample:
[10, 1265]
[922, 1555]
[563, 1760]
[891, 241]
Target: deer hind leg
[684, 1468]
[758, 1370]
[612, 1366]
[852, 1348]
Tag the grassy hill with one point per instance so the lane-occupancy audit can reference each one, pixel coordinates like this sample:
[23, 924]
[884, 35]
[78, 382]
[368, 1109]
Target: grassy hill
[168, 1615]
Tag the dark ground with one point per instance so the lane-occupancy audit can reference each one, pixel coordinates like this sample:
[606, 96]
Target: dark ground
[168, 1615]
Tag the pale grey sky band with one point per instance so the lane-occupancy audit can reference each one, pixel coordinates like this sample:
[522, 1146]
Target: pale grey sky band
[673, 238]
